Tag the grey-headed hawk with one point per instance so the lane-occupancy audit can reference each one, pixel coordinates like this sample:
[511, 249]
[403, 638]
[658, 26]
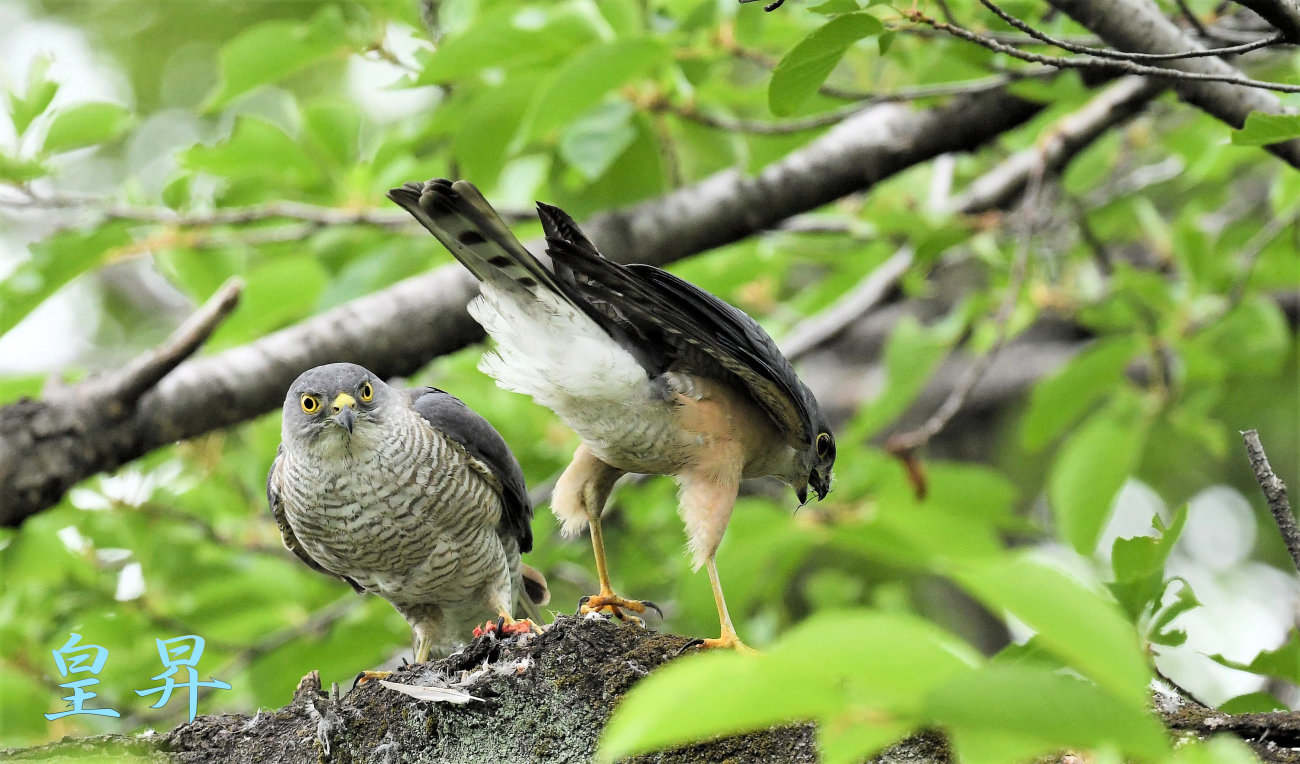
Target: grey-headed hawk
[654, 374]
[408, 494]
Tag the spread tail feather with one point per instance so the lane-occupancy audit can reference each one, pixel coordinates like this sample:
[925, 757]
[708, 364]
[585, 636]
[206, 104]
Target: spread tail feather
[535, 594]
[468, 226]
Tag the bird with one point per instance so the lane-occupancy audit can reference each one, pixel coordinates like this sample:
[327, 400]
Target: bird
[408, 494]
[653, 373]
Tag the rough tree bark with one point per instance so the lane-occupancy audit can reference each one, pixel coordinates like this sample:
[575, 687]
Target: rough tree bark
[543, 698]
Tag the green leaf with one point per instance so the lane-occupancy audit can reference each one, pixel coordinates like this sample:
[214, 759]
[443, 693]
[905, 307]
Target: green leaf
[37, 97]
[584, 80]
[834, 666]
[1091, 467]
[255, 149]
[273, 50]
[834, 7]
[1004, 713]
[1252, 703]
[334, 130]
[20, 170]
[86, 125]
[1262, 129]
[1138, 565]
[912, 355]
[1082, 627]
[54, 262]
[511, 38]
[1158, 632]
[1221, 749]
[592, 142]
[1059, 401]
[1282, 663]
[810, 62]
[277, 293]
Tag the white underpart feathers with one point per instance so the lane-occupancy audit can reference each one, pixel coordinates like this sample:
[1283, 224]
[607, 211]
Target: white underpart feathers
[549, 349]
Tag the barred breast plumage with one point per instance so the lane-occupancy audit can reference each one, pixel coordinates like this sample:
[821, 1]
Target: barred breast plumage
[407, 494]
[401, 513]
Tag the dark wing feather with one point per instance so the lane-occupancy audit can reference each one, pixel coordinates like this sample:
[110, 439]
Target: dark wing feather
[459, 422]
[458, 215]
[659, 306]
[286, 531]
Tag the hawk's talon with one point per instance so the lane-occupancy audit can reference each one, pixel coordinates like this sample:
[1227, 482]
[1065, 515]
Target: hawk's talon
[367, 676]
[503, 627]
[693, 643]
[616, 605]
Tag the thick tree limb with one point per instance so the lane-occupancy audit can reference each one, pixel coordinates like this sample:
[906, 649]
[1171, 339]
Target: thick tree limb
[543, 699]
[1138, 25]
[1284, 15]
[397, 330]
[84, 427]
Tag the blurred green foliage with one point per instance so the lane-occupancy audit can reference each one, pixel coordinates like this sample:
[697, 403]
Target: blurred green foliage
[586, 104]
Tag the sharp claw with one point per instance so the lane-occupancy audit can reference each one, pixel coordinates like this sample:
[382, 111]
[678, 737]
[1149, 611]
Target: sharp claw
[652, 606]
[697, 642]
[366, 676]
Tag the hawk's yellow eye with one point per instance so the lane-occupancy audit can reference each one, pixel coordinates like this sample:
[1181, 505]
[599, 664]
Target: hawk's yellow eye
[367, 392]
[310, 404]
[824, 444]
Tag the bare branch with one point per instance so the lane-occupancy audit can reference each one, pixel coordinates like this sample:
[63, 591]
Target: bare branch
[1139, 25]
[835, 116]
[1274, 493]
[124, 387]
[1103, 64]
[868, 293]
[1062, 142]
[1128, 55]
[905, 443]
[1284, 15]
[281, 211]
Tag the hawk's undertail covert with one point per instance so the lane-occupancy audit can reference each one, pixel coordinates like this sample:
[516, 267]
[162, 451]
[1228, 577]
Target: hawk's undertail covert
[407, 494]
[654, 374]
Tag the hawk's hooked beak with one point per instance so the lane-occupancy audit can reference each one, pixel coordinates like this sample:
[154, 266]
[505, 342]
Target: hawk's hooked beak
[819, 484]
[344, 410]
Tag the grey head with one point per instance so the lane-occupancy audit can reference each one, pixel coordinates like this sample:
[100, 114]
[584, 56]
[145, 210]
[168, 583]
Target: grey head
[813, 465]
[328, 406]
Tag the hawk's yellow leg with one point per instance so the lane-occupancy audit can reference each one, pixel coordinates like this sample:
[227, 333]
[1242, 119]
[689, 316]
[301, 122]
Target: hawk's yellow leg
[579, 499]
[729, 637]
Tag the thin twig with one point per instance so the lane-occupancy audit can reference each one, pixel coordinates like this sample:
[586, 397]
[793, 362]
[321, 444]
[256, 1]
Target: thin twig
[1274, 493]
[1103, 64]
[817, 330]
[1193, 20]
[863, 101]
[141, 373]
[904, 444]
[1127, 55]
[281, 210]
[1253, 249]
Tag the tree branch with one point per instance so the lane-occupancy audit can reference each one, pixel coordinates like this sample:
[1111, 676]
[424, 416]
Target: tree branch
[1062, 142]
[1284, 15]
[1105, 64]
[1138, 25]
[1121, 55]
[1274, 493]
[395, 331]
